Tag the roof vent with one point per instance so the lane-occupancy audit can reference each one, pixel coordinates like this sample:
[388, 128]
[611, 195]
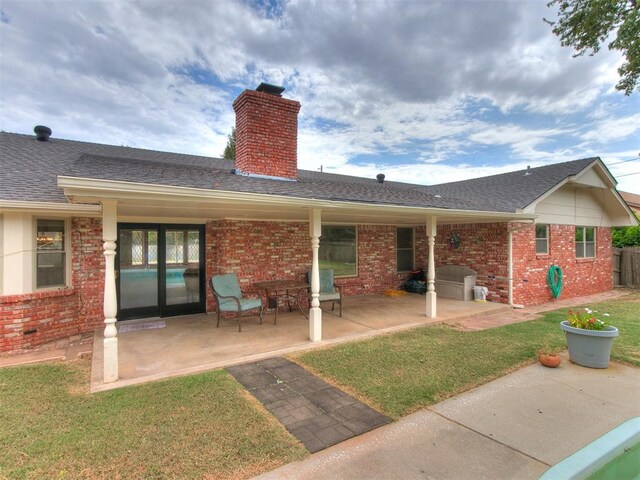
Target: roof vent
[380, 177]
[42, 133]
[528, 172]
[270, 89]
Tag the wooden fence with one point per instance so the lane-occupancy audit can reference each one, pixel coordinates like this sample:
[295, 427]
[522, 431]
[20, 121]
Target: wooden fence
[626, 266]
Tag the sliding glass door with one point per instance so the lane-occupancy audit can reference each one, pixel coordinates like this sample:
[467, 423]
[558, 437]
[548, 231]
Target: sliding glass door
[160, 270]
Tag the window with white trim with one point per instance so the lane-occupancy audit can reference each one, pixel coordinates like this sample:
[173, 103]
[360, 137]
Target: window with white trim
[542, 239]
[338, 250]
[585, 242]
[50, 253]
[404, 249]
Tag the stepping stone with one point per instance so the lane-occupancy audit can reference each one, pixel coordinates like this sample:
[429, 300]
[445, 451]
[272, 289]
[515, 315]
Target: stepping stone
[315, 412]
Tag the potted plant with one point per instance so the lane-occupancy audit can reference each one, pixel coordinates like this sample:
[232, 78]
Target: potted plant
[548, 356]
[589, 338]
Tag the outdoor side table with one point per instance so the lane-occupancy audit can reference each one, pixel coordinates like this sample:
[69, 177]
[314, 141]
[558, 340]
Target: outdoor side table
[283, 289]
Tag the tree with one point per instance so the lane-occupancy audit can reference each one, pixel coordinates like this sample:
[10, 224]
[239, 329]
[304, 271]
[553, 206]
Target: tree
[626, 236]
[230, 149]
[585, 25]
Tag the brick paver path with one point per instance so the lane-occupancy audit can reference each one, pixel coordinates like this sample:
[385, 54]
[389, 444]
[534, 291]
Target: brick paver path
[315, 412]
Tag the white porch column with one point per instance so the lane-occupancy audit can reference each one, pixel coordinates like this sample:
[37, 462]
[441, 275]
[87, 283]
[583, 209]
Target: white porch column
[109, 235]
[431, 270]
[315, 312]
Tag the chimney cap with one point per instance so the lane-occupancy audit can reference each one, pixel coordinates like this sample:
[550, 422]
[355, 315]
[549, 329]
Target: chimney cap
[270, 89]
[380, 177]
[42, 133]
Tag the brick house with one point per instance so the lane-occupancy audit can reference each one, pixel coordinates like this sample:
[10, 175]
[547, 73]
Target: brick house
[66, 205]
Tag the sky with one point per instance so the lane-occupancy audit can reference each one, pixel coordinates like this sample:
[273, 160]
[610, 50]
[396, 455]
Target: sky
[422, 91]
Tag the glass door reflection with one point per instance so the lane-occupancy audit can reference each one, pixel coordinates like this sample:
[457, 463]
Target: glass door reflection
[160, 270]
[182, 260]
[138, 271]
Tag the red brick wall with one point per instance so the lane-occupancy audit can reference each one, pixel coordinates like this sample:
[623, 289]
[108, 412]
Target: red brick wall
[483, 248]
[34, 319]
[581, 276]
[266, 134]
[377, 261]
[262, 251]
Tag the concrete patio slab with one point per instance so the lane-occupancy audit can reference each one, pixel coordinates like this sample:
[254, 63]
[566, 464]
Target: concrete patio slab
[192, 343]
[514, 427]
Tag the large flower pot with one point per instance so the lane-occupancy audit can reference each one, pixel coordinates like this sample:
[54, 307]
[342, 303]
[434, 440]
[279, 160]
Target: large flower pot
[589, 348]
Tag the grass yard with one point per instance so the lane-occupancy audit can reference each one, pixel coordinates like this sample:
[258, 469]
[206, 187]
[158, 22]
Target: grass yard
[202, 426]
[403, 372]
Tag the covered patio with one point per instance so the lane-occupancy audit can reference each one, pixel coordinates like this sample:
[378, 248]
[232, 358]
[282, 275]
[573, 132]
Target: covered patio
[261, 237]
[192, 343]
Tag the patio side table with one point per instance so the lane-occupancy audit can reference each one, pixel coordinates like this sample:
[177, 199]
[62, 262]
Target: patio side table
[283, 289]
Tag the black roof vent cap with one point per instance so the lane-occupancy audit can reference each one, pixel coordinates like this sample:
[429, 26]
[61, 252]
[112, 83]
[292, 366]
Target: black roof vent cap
[380, 177]
[42, 133]
[270, 89]
[528, 172]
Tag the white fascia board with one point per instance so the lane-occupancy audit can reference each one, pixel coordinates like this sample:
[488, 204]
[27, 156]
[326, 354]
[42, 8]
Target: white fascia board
[50, 208]
[570, 179]
[91, 187]
[574, 179]
[605, 171]
[632, 217]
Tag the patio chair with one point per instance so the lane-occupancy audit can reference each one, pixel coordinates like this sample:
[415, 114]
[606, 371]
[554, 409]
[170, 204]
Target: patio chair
[228, 296]
[191, 278]
[329, 291]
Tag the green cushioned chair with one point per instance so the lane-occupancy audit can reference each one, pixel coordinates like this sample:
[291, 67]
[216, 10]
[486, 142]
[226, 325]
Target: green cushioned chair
[228, 296]
[329, 291]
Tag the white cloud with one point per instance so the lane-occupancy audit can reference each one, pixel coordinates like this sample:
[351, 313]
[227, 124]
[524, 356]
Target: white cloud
[432, 82]
[613, 129]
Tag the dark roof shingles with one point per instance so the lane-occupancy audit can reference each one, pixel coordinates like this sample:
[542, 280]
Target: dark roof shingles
[29, 170]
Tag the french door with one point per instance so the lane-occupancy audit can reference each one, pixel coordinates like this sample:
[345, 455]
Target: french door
[160, 270]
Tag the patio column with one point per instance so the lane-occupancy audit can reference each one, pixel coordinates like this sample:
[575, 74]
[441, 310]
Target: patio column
[315, 312]
[109, 235]
[431, 270]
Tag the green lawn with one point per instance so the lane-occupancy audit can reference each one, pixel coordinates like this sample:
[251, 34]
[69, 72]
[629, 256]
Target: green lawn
[403, 372]
[202, 426]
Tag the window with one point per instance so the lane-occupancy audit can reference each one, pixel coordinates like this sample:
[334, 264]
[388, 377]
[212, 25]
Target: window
[50, 253]
[585, 242]
[338, 246]
[404, 249]
[542, 239]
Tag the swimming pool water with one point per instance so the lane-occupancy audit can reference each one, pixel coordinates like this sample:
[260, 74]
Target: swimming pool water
[131, 276]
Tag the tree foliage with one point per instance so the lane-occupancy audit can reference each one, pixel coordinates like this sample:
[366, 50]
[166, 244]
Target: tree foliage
[230, 149]
[626, 236]
[586, 25]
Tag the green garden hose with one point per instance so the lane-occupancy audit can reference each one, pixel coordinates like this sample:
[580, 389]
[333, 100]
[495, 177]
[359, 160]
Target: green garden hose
[554, 280]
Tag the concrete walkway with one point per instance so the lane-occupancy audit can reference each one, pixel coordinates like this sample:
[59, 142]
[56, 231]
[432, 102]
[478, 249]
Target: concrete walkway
[512, 428]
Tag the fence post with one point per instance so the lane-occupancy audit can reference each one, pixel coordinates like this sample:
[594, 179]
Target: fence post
[617, 253]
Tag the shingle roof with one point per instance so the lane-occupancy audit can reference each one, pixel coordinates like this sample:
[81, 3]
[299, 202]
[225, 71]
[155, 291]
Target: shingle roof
[29, 170]
[509, 191]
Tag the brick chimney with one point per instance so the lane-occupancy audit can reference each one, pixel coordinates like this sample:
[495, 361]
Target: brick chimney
[266, 133]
